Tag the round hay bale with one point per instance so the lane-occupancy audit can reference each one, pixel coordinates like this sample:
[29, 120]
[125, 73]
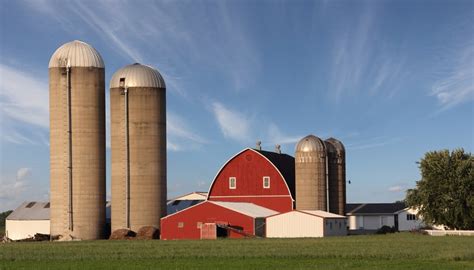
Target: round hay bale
[148, 233]
[122, 234]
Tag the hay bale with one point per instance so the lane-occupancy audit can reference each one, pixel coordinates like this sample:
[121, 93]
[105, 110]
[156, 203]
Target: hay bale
[148, 233]
[41, 237]
[122, 234]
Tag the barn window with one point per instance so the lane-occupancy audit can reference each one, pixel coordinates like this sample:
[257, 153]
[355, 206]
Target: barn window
[266, 182]
[199, 225]
[232, 183]
[411, 217]
[180, 224]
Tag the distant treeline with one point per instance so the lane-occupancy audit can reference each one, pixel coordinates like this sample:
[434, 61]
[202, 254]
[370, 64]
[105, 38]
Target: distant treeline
[3, 216]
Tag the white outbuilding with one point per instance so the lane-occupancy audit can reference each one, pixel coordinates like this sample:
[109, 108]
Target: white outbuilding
[369, 217]
[305, 223]
[27, 220]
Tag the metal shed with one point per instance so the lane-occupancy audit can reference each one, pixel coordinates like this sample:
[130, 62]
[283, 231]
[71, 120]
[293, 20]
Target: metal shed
[27, 220]
[305, 223]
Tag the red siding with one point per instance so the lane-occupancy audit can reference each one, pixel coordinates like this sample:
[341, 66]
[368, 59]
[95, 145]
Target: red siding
[205, 212]
[249, 167]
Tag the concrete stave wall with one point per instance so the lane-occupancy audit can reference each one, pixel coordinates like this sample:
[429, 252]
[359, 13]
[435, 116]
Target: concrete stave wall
[88, 152]
[147, 148]
[310, 177]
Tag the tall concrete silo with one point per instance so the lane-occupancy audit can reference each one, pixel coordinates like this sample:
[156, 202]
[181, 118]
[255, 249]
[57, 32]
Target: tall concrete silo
[138, 130]
[77, 141]
[337, 176]
[310, 173]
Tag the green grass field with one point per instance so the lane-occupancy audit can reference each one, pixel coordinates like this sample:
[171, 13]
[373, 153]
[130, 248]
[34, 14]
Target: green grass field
[394, 251]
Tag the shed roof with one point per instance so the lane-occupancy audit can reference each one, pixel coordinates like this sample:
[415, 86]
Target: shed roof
[285, 164]
[315, 213]
[248, 209]
[373, 208]
[178, 205]
[31, 211]
[322, 214]
[196, 195]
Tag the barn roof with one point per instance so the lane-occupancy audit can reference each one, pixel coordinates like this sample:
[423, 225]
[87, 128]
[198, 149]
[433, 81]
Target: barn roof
[196, 195]
[285, 164]
[248, 209]
[322, 214]
[41, 211]
[315, 213]
[178, 205]
[31, 211]
[373, 208]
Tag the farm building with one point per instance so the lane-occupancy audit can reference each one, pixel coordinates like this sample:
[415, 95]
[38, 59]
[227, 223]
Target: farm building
[182, 202]
[369, 217]
[305, 223]
[230, 219]
[27, 220]
[259, 177]
[31, 218]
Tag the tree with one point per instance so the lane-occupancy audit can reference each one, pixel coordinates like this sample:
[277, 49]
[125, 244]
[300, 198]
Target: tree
[444, 195]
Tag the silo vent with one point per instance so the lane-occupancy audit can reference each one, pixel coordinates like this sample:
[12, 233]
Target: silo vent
[259, 145]
[278, 148]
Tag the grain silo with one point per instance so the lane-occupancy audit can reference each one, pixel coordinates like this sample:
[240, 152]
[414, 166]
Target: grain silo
[77, 141]
[337, 176]
[138, 130]
[310, 174]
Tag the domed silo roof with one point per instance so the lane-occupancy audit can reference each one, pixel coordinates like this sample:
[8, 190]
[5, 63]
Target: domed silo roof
[310, 143]
[336, 145]
[78, 54]
[138, 75]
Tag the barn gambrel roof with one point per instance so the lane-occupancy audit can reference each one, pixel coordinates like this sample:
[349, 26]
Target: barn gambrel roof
[285, 165]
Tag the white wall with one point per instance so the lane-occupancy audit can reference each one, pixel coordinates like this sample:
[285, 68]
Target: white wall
[21, 229]
[369, 222]
[296, 224]
[407, 225]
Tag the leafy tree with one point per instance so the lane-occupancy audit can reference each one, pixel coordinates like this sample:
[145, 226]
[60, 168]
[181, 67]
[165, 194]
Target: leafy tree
[3, 216]
[444, 195]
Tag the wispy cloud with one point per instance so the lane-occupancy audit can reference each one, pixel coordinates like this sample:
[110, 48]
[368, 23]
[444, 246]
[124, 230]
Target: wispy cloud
[372, 143]
[276, 136]
[18, 188]
[180, 135]
[233, 124]
[24, 115]
[24, 97]
[152, 32]
[361, 63]
[456, 86]
[245, 129]
[396, 188]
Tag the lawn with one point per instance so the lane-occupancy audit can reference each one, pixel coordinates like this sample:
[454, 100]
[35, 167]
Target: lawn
[394, 251]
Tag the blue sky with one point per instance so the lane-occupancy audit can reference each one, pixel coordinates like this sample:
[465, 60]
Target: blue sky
[391, 79]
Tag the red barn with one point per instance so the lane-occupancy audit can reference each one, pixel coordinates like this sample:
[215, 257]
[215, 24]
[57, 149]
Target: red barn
[250, 186]
[229, 219]
[259, 177]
